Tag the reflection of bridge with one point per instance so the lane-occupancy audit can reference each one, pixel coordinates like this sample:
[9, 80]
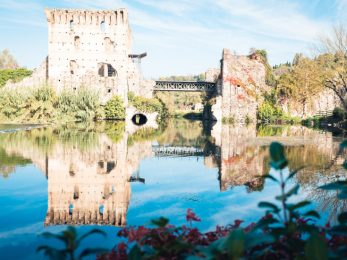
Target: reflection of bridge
[184, 86]
[181, 151]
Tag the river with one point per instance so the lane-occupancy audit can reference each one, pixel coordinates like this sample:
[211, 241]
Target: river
[109, 175]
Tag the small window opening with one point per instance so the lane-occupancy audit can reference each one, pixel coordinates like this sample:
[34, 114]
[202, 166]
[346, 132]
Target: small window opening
[72, 24]
[103, 26]
[73, 67]
[71, 208]
[77, 42]
[109, 45]
[101, 164]
[110, 166]
[76, 193]
[106, 70]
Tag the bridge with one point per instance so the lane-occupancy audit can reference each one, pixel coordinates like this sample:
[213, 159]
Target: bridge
[177, 151]
[192, 86]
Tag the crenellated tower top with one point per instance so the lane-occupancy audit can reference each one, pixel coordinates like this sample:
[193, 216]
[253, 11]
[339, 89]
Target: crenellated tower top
[87, 17]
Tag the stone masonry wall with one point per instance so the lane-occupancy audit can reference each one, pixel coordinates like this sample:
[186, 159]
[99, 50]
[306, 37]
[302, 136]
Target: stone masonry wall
[239, 87]
[91, 48]
[320, 104]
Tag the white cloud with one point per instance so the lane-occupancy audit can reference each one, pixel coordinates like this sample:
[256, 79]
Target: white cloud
[186, 36]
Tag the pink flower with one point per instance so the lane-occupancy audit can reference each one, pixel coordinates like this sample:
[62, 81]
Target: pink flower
[191, 216]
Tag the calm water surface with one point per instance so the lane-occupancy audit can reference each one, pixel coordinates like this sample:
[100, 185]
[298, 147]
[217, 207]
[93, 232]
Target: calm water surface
[112, 175]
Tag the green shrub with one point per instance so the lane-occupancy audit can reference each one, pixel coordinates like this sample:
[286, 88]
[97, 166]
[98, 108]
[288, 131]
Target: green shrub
[148, 105]
[15, 75]
[114, 108]
[339, 113]
[268, 112]
[80, 105]
[12, 103]
[40, 105]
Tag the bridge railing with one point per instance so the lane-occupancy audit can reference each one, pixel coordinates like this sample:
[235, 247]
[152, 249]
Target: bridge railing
[201, 86]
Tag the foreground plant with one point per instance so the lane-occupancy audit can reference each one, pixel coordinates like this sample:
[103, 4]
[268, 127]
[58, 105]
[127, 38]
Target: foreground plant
[286, 231]
[72, 242]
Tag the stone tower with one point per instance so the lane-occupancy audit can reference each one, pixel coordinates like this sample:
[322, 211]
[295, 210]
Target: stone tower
[91, 48]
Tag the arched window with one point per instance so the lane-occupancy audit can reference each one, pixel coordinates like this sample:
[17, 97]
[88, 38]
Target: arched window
[106, 70]
[108, 44]
[103, 26]
[73, 67]
[77, 42]
[76, 192]
[72, 24]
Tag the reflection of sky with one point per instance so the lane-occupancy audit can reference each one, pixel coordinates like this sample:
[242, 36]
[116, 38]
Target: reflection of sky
[172, 186]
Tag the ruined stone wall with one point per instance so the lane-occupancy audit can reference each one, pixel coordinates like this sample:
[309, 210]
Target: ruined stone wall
[243, 80]
[321, 103]
[240, 86]
[38, 78]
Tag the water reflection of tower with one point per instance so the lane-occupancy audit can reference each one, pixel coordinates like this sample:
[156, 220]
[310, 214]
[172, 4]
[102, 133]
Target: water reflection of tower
[91, 187]
[239, 160]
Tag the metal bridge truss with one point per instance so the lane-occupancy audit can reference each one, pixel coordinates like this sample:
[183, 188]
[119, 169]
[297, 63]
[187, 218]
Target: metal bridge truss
[185, 86]
[177, 151]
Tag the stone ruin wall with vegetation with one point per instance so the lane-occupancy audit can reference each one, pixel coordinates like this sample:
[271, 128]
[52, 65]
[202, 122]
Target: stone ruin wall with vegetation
[239, 87]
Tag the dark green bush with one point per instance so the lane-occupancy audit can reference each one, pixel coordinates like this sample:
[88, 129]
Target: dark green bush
[114, 108]
[339, 113]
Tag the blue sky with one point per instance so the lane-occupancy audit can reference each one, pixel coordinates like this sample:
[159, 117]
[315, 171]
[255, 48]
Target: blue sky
[184, 36]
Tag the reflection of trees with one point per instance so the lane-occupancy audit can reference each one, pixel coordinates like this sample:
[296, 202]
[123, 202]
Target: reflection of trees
[268, 130]
[183, 133]
[8, 162]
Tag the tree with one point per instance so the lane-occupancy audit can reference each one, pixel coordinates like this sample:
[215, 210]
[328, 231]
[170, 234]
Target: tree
[7, 61]
[333, 62]
[302, 82]
[297, 58]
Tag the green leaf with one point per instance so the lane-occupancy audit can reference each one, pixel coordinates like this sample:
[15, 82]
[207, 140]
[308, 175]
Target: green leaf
[161, 222]
[89, 233]
[92, 251]
[265, 223]
[264, 204]
[337, 185]
[279, 165]
[276, 152]
[135, 253]
[343, 218]
[293, 173]
[343, 145]
[255, 238]
[278, 159]
[345, 164]
[235, 243]
[312, 213]
[342, 195]
[298, 205]
[316, 248]
[269, 176]
[340, 230]
[291, 192]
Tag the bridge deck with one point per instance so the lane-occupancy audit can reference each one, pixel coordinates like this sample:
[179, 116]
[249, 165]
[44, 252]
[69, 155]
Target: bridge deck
[185, 86]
